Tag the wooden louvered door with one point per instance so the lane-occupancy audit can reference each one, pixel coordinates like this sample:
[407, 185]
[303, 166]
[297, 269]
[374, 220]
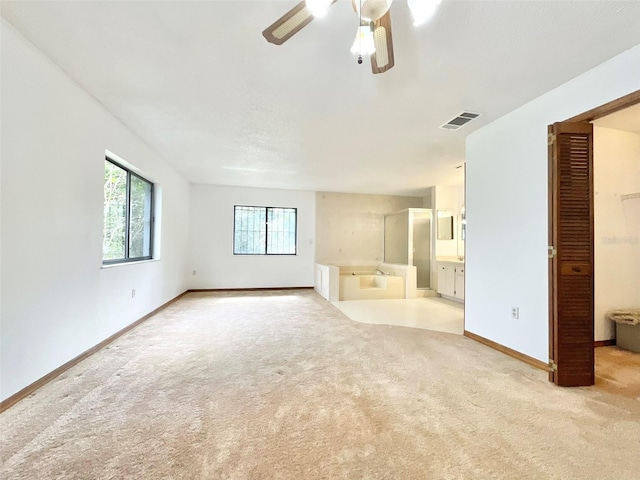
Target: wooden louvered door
[571, 265]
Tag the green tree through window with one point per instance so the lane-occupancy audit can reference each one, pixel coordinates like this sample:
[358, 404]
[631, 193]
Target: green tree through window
[128, 205]
[264, 230]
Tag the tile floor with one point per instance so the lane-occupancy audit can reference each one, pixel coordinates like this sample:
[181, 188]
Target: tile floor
[429, 313]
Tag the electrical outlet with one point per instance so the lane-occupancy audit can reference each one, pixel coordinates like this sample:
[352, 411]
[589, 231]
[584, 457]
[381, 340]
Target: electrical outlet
[133, 293]
[515, 312]
[194, 272]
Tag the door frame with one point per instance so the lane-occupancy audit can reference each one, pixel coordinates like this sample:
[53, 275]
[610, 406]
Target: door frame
[608, 108]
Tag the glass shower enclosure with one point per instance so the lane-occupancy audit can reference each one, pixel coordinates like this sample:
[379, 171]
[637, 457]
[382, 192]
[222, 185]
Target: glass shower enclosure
[408, 241]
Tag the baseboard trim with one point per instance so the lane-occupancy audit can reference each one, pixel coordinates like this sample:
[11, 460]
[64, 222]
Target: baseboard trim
[534, 362]
[604, 343]
[261, 289]
[29, 389]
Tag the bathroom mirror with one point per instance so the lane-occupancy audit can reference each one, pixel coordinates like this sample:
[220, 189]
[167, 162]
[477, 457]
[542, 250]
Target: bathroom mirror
[445, 225]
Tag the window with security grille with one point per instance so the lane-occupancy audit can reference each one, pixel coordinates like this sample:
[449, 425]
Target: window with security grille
[264, 230]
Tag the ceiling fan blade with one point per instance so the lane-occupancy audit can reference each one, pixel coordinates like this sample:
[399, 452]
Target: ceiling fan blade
[290, 23]
[382, 59]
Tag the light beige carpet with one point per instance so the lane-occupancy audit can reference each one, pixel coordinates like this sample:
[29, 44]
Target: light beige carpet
[281, 385]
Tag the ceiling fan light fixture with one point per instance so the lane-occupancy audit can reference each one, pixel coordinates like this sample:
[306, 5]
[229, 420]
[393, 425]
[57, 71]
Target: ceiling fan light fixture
[371, 10]
[363, 44]
[422, 10]
[318, 8]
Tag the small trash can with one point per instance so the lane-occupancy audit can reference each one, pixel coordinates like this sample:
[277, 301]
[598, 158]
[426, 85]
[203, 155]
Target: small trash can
[627, 328]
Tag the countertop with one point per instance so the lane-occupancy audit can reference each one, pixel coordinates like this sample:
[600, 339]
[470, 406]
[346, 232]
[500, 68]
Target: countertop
[450, 260]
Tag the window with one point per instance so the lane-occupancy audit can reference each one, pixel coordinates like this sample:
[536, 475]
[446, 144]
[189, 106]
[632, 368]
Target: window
[127, 233]
[264, 230]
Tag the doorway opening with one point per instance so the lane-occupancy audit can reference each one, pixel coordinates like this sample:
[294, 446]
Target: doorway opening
[594, 170]
[617, 251]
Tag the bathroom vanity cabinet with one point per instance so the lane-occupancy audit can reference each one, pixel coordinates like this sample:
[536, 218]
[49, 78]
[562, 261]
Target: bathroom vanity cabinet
[451, 280]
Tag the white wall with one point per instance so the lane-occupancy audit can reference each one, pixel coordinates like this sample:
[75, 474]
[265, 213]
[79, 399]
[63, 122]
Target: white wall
[211, 240]
[350, 226]
[428, 200]
[506, 257]
[57, 300]
[617, 225]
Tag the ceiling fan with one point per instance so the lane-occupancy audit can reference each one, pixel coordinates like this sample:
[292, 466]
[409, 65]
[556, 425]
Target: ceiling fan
[373, 36]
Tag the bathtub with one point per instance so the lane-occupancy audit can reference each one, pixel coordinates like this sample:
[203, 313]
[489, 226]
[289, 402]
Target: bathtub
[369, 286]
[364, 282]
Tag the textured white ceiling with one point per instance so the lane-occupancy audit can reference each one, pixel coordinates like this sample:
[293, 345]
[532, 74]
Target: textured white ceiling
[198, 82]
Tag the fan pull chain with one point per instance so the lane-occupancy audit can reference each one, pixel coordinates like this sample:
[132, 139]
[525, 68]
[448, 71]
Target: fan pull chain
[360, 38]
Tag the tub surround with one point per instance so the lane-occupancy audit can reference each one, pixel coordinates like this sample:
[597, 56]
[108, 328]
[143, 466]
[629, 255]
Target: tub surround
[370, 287]
[327, 279]
[361, 281]
[408, 272]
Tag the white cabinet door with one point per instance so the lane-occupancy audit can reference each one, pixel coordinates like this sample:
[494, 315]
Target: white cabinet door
[442, 279]
[451, 280]
[446, 279]
[450, 273]
[459, 292]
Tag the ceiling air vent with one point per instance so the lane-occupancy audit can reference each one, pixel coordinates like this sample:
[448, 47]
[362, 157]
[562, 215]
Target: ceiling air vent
[460, 120]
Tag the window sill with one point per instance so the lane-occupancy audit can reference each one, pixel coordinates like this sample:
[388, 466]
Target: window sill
[126, 264]
[265, 254]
